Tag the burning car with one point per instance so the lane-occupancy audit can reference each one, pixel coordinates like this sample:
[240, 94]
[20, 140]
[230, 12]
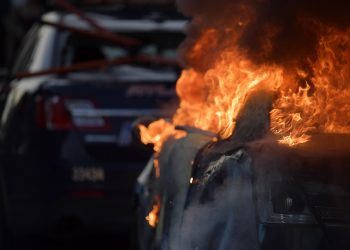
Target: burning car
[257, 154]
[255, 194]
[69, 158]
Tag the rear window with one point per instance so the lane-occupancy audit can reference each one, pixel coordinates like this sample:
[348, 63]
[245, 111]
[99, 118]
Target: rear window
[80, 48]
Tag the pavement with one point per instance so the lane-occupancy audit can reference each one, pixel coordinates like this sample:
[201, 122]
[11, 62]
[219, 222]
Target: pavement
[86, 242]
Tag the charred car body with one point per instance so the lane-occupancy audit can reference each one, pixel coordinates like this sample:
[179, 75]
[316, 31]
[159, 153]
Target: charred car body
[69, 159]
[247, 192]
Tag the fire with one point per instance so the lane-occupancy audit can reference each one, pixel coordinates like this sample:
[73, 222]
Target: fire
[224, 91]
[317, 101]
[152, 217]
[236, 48]
[325, 108]
[157, 132]
[312, 90]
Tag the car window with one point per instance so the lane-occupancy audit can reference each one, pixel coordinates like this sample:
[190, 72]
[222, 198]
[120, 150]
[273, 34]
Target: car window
[80, 48]
[25, 56]
[111, 52]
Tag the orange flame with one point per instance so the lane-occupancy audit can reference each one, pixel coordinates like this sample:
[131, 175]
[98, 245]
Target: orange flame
[310, 101]
[157, 132]
[324, 109]
[152, 217]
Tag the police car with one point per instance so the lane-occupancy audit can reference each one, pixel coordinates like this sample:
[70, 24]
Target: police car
[69, 158]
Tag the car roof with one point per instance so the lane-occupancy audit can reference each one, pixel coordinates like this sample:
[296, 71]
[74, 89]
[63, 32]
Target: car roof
[117, 25]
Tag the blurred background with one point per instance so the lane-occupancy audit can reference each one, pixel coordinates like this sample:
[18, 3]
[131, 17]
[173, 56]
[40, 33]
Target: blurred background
[76, 80]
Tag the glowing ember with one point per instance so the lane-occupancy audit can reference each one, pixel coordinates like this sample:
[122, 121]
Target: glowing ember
[156, 165]
[152, 217]
[312, 89]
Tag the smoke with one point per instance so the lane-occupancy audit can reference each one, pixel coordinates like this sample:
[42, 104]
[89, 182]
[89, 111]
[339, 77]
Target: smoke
[268, 31]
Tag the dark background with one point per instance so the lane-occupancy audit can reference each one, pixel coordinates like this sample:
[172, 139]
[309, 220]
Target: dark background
[16, 17]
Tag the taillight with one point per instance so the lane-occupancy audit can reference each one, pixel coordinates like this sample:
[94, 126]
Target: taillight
[57, 116]
[51, 113]
[57, 113]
